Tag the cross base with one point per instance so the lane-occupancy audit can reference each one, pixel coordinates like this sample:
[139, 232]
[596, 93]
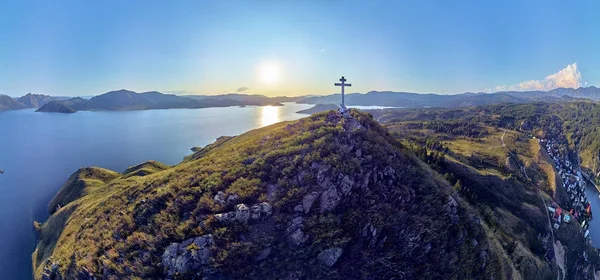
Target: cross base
[343, 110]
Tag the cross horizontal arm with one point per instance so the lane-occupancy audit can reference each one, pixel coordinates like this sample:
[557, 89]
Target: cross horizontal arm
[342, 84]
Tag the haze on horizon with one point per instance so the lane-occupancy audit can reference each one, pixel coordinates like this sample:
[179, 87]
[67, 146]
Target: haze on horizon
[73, 48]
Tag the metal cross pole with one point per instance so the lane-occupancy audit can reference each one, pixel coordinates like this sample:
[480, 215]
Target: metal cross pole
[343, 84]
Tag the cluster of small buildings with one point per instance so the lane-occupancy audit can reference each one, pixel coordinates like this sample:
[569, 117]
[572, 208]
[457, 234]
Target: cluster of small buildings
[574, 184]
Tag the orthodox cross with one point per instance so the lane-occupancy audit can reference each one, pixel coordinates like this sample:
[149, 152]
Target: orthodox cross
[343, 84]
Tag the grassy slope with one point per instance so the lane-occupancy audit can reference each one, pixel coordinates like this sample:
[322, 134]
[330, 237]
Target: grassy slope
[515, 211]
[145, 168]
[82, 182]
[121, 228]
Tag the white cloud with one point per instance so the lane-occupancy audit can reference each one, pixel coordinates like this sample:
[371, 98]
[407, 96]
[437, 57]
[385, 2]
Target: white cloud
[568, 77]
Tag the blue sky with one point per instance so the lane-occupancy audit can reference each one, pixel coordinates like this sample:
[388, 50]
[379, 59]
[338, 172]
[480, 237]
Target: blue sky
[295, 47]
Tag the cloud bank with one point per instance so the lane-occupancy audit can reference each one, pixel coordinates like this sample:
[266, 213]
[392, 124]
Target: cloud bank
[568, 77]
[242, 89]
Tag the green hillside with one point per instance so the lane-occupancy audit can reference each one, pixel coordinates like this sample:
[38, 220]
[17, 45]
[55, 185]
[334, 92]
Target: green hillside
[324, 197]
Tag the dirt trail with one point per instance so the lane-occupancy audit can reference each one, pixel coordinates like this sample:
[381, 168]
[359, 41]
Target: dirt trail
[501, 139]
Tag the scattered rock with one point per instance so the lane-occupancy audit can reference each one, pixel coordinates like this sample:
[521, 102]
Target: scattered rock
[322, 172]
[299, 208]
[51, 271]
[294, 225]
[242, 213]
[308, 201]
[346, 185]
[295, 234]
[188, 256]
[298, 237]
[225, 217]
[452, 210]
[266, 208]
[219, 198]
[330, 256]
[484, 258]
[330, 199]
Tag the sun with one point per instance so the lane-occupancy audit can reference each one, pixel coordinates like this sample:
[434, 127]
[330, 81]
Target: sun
[268, 72]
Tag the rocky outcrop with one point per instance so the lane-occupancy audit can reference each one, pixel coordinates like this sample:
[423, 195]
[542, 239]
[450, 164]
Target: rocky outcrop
[244, 214]
[330, 256]
[50, 271]
[330, 199]
[226, 200]
[296, 235]
[308, 201]
[452, 209]
[190, 257]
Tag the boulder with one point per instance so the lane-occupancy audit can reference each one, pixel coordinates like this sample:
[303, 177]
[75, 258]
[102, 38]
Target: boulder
[188, 257]
[322, 172]
[295, 224]
[330, 199]
[330, 256]
[219, 198]
[225, 217]
[452, 210]
[346, 185]
[242, 213]
[308, 201]
[266, 208]
[298, 237]
[299, 208]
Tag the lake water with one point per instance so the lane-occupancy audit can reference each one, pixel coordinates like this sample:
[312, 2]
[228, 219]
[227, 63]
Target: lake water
[592, 195]
[38, 152]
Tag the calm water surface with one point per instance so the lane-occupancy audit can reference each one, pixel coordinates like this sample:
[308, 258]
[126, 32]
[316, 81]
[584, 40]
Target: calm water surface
[38, 152]
[592, 195]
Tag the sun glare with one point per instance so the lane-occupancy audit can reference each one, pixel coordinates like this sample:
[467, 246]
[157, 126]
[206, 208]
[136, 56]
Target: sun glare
[268, 73]
[269, 115]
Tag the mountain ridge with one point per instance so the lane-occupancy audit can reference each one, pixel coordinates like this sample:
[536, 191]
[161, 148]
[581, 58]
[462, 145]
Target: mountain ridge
[313, 198]
[29, 100]
[423, 100]
[130, 100]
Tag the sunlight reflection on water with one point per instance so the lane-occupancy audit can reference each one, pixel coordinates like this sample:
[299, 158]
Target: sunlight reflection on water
[269, 115]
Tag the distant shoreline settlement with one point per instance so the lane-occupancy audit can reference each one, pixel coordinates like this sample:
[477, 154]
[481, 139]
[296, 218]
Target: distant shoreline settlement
[574, 184]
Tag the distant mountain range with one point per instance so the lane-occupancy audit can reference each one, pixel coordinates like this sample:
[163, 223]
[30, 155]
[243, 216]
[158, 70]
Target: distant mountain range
[416, 100]
[130, 100]
[27, 101]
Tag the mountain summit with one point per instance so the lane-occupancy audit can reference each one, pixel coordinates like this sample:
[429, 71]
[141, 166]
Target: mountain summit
[324, 197]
